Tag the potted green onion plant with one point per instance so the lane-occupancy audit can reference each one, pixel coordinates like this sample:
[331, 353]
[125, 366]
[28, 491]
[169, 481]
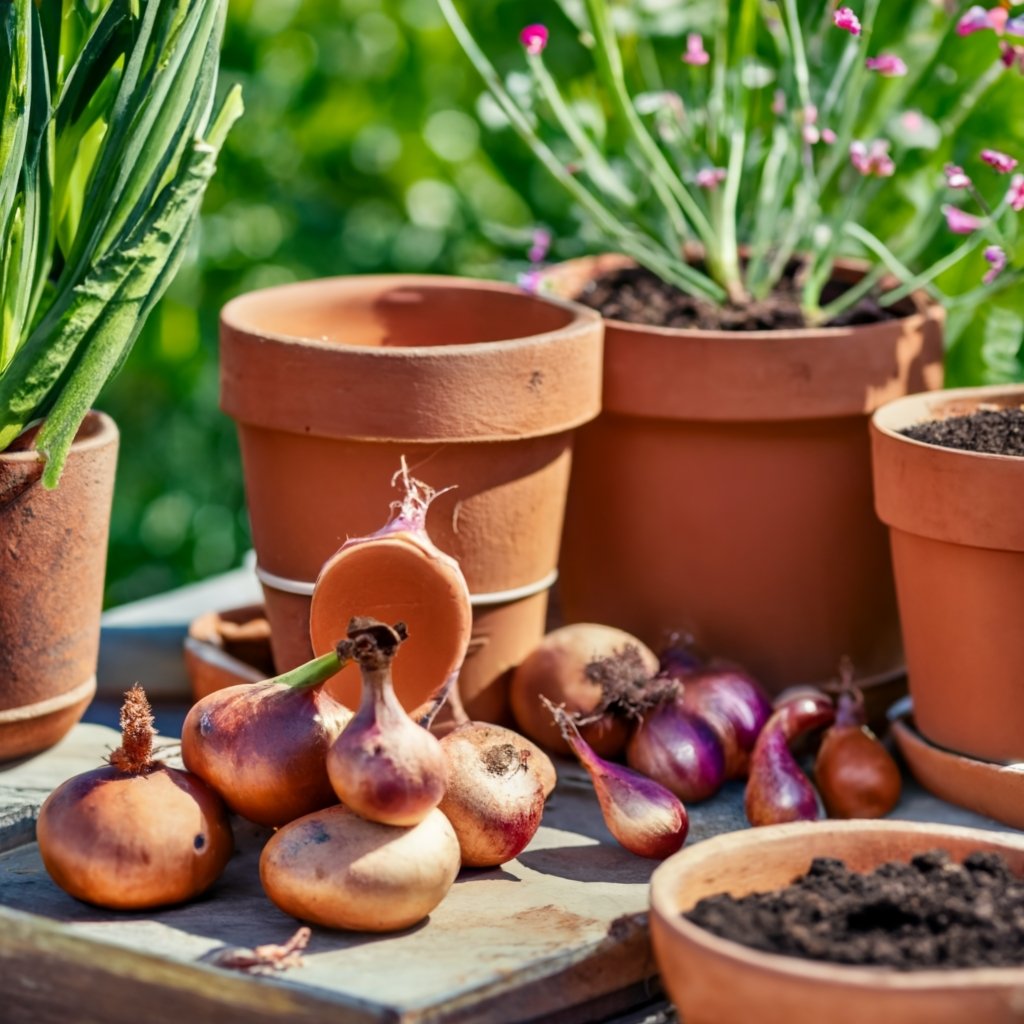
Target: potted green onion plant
[110, 133]
[775, 222]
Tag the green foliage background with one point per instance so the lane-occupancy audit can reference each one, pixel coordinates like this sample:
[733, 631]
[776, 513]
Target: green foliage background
[361, 151]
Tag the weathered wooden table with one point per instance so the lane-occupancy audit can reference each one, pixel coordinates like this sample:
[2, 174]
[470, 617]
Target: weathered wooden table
[558, 935]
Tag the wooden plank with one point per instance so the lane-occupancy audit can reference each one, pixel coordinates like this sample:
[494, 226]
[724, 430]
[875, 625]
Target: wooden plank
[557, 935]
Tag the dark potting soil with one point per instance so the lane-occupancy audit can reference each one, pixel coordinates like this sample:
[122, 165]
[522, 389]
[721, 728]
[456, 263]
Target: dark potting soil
[995, 431]
[930, 913]
[637, 296]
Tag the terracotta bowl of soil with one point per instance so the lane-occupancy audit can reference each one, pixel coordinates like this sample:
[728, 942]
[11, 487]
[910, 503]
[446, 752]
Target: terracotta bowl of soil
[714, 980]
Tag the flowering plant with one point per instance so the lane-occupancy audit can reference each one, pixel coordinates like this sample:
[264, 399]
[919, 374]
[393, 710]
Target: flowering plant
[783, 130]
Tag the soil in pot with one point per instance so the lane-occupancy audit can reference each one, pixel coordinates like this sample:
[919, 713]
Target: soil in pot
[930, 913]
[636, 295]
[992, 431]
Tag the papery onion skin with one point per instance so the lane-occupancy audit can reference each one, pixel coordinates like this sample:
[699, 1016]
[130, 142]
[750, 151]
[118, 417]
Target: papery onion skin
[735, 705]
[336, 869]
[494, 794]
[777, 790]
[557, 669]
[680, 750]
[856, 776]
[262, 746]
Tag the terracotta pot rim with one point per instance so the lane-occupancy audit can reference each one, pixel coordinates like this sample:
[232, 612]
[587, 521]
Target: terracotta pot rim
[107, 431]
[49, 705]
[926, 308]
[663, 887]
[904, 412]
[582, 319]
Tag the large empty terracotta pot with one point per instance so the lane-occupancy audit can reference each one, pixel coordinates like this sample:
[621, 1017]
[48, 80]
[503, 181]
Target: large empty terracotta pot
[479, 386]
[958, 549]
[53, 558]
[725, 490]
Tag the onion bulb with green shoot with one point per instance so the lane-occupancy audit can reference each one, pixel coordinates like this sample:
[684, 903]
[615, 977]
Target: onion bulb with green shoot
[135, 833]
[262, 745]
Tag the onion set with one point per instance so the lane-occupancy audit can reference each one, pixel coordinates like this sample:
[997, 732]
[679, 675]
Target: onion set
[384, 766]
[640, 813]
[135, 833]
[777, 789]
[336, 869]
[397, 573]
[263, 746]
[856, 776]
[590, 671]
[494, 797]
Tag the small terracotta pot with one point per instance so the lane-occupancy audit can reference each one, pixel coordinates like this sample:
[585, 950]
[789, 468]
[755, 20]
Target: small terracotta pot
[714, 981]
[725, 490]
[957, 535]
[52, 564]
[478, 384]
[226, 648]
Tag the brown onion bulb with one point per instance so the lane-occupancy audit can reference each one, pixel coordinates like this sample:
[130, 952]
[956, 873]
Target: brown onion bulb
[262, 745]
[494, 794]
[134, 834]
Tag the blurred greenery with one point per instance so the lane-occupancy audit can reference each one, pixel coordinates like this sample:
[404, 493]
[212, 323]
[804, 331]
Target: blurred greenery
[366, 147]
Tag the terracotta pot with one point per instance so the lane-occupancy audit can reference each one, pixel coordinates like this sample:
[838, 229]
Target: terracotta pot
[479, 385]
[957, 536]
[725, 490]
[226, 648]
[715, 981]
[52, 565]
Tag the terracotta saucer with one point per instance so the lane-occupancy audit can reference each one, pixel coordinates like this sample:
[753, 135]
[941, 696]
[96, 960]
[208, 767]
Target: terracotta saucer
[995, 790]
[227, 647]
[712, 980]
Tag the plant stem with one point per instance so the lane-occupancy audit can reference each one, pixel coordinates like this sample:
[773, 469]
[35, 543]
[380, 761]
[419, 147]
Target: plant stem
[312, 673]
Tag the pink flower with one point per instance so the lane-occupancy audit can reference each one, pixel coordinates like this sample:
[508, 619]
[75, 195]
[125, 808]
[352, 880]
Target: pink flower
[539, 245]
[779, 103]
[828, 136]
[975, 19]
[997, 18]
[912, 120]
[1015, 26]
[959, 222]
[1011, 55]
[997, 261]
[710, 177]
[1002, 162]
[530, 281]
[887, 64]
[534, 38]
[873, 159]
[1015, 196]
[695, 52]
[845, 19]
[955, 177]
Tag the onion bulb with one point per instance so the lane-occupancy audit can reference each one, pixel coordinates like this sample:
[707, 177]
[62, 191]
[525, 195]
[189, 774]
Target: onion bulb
[397, 573]
[134, 834]
[336, 869]
[495, 790]
[384, 765]
[856, 776]
[588, 670]
[735, 705]
[680, 750]
[777, 789]
[262, 746]
[640, 813]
